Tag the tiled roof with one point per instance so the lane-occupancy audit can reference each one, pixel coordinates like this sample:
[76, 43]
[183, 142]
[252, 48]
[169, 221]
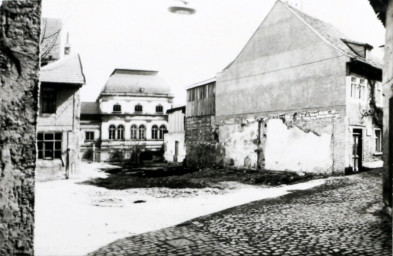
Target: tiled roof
[50, 38]
[68, 70]
[130, 81]
[90, 108]
[334, 36]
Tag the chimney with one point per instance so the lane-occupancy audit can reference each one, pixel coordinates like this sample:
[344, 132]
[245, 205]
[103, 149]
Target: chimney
[67, 46]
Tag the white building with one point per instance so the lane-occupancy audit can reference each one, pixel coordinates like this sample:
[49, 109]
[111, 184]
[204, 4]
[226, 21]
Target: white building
[175, 150]
[132, 111]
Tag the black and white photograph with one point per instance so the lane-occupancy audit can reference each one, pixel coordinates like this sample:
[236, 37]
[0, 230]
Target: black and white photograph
[196, 127]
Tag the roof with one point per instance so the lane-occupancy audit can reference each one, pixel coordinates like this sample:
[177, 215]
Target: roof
[50, 38]
[380, 7]
[335, 37]
[132, 81]
[182, 108]
[68, 70]
[90, 108]
[206, 81]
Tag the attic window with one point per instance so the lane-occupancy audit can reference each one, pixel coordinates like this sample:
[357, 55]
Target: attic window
[138, 108]
[359, 49]
[159, 109]
[117, 108]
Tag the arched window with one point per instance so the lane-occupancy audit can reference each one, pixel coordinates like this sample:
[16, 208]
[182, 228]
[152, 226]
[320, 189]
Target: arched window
[159, 109]
[154, 132]
[138, 108]
[120, 132]
[117, 108]
[162, 131]
[142, 132]
[112, 132]
[134, 131]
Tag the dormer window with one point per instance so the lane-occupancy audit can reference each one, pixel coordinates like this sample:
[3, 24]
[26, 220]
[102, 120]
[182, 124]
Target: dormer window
[159, 109]
[360, 49]
[138, 108]
[117, 108]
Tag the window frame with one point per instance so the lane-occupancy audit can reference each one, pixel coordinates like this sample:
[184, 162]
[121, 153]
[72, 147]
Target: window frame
[378, 140]
[154, 132]
[142, 132]
[120, 132]
[116, 108]
[162, 130]
[89, 138]
[137, 106]
[54, 151]
[358, 88]
[112, 132]
[48, 106]
[134, 132]
[159, 109]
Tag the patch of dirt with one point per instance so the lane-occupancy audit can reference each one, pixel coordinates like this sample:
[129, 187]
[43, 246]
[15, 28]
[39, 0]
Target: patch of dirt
[180, 177]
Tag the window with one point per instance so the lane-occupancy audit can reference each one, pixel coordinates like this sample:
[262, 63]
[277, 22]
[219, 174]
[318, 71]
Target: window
[154, 132]
[117, 108]
[89, 136]
[162, 131]
[134, 131]
[378, 140]
[142, 132]
[378, 93]
[120, 132]
[159, 109]
[48, 100]
[49, 145]
[112, 132]
[358, 88]
[138, 108]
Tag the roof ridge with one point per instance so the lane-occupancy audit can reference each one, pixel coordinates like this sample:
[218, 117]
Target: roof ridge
[298, 13]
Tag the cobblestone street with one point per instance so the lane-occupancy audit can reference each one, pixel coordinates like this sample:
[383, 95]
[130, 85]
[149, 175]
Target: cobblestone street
[341, 217]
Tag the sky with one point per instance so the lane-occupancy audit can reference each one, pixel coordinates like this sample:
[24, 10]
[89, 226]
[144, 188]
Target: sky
[185, 49]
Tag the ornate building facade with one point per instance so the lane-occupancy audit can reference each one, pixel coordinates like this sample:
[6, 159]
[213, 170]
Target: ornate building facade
[129, 119]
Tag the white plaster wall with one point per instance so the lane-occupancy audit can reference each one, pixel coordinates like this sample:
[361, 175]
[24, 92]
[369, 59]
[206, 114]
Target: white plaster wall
[128, 104]
[240, 142]
[148, 123]
[295, 150]
[169, 140]
[176, 121]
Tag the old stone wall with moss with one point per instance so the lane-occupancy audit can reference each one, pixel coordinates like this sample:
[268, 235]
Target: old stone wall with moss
[19, 74]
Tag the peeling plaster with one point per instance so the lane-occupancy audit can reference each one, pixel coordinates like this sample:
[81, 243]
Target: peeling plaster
[291, 148]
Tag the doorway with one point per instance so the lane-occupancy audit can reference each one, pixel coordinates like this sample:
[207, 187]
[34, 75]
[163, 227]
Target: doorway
[357, 149]
[176, 151]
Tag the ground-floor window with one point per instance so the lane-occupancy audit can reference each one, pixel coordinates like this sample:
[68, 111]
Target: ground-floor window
[49, 145]
[378, 140]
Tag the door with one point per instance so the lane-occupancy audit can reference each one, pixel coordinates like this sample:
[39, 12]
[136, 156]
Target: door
[357, 149]
[176, 151]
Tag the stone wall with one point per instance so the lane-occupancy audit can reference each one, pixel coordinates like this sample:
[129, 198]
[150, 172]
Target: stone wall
[201, 142]
[388, 108]
[19, 72]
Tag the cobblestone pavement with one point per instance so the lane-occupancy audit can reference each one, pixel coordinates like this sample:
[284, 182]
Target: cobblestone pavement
[342, 217]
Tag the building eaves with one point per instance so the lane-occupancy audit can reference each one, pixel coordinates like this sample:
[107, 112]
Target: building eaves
[207, 81]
